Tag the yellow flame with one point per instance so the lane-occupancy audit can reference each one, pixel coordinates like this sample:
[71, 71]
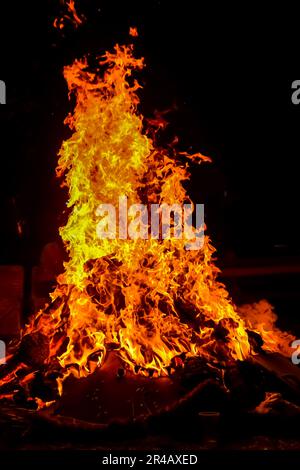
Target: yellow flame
[151, 301]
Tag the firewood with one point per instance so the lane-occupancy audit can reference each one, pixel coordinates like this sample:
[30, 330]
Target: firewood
[34, 349]
[245, 383]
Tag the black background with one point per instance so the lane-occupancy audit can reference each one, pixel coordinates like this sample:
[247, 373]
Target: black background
[211, 65]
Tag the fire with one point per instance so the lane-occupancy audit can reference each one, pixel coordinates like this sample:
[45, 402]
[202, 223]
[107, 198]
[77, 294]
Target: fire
[133, 32]
[72, 16]
[152, 301]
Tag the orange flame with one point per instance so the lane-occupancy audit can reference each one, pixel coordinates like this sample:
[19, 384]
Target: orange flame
[133, 32]
[73, 17]
[152, 301]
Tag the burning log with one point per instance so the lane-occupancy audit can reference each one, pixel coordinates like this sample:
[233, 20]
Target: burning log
[246, 385]
[283, 375]
[34, 349]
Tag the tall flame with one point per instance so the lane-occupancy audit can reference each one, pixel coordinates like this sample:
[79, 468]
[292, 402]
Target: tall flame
[152, 301]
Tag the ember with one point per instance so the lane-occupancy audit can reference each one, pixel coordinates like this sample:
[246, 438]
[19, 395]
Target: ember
[72, 16]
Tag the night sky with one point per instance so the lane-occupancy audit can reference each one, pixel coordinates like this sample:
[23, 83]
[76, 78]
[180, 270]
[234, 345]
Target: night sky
[225, 103]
